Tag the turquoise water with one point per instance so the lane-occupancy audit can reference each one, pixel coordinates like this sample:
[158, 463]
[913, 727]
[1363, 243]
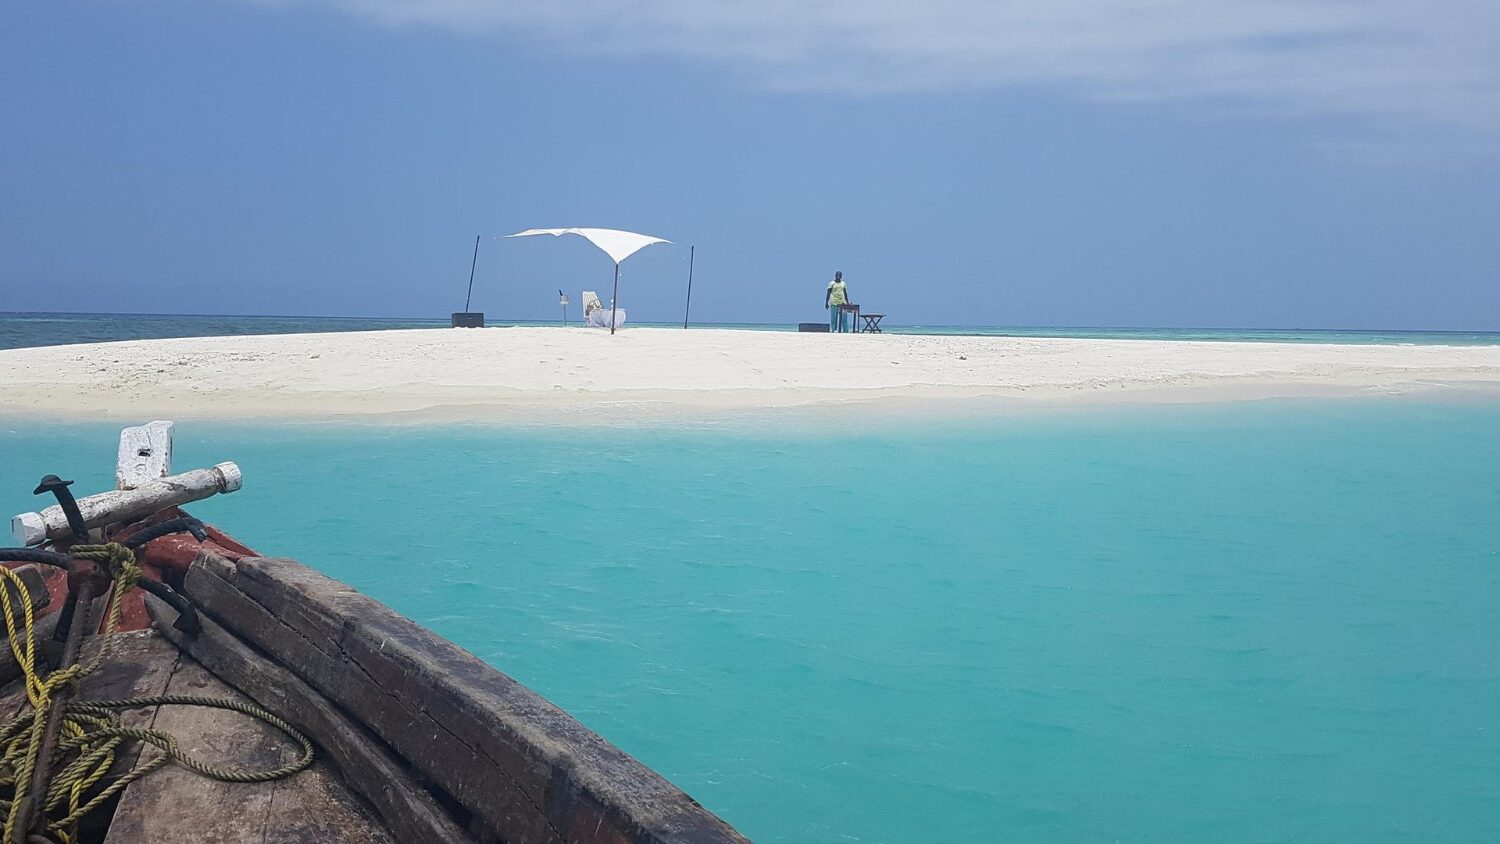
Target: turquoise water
[19, 330]
[1248, 623]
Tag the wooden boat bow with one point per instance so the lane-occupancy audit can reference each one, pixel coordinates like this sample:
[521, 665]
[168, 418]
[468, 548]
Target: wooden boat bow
[417, 739]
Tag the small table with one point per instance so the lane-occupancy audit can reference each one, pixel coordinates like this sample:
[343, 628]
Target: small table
[847, 308]
[872, 322]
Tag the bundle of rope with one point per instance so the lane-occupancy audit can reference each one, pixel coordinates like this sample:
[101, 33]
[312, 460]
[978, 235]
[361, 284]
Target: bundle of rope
[74, 778]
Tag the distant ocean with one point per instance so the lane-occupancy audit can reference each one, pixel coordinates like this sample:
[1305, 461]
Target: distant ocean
[1268, 621]
[20, 330]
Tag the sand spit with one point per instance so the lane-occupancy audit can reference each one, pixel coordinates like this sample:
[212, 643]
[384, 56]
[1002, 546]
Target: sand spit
[496, 374]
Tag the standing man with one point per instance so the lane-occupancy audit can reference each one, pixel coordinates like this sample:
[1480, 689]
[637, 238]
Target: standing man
[835, 300]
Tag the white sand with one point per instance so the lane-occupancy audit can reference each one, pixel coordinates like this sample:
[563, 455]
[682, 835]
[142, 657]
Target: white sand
[517, 373]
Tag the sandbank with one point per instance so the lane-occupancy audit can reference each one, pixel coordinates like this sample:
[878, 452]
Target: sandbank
[500, 374]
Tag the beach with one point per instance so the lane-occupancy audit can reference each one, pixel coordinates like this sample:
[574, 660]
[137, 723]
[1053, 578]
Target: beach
[529, 373]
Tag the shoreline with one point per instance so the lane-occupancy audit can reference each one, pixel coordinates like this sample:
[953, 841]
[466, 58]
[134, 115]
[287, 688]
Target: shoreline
[542, 375]
[872, 410]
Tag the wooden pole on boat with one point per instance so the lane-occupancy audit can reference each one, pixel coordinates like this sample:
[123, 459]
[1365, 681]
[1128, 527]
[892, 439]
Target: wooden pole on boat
[125, 505]
[688, 307]
[472, 264]
[32, 811]
[613, 297]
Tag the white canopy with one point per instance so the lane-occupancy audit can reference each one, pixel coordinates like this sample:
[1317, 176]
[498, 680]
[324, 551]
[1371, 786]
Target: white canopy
[616, 244]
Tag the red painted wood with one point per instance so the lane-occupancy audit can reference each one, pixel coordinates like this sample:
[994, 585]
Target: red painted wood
[167, 559]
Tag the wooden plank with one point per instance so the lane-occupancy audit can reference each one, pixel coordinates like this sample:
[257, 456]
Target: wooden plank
[13, 696]
[528, 769]
[481, 786]
[145, 454]
[406, 807]
[315, 807]
[177, 804]
[38, 595]
[12, 700]
[404, 729]
[139, 664]
[10, 669]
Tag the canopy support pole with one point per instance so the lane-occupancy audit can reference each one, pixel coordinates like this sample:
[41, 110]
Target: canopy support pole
[689, 306]
[472, 265]
[613, 297]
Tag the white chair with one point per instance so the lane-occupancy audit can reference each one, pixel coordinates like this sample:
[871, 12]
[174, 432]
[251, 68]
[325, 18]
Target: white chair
[596, 313]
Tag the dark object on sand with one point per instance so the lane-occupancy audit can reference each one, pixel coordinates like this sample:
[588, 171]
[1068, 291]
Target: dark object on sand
[467, 318]
[813, 327]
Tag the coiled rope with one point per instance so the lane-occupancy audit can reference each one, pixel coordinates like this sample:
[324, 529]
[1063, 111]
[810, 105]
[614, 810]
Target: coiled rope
[91, 731]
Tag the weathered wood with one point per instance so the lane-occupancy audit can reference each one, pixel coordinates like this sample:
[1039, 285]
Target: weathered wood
[9, 668]
[127, 505]
[36, 594]
[427, 746]
[174, 803]
[13, 698]
[38, 597]
[139, 664]
[528, 769]
[145, 454]
[177, 804]
[315, 807]
[407, 809]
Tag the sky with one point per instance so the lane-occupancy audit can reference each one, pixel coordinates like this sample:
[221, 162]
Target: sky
[1156, 163]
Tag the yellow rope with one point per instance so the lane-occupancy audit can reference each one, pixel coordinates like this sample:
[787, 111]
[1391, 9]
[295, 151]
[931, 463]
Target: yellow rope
[91, 732]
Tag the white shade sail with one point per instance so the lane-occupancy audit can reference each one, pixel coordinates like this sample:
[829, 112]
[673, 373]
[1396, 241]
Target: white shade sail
[616, 244]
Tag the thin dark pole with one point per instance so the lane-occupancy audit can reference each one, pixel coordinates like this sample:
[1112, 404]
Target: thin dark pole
[613, 298]
[689, 306]
[472, 265]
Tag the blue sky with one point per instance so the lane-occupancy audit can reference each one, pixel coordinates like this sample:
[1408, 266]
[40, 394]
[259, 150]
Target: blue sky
[1255, 163]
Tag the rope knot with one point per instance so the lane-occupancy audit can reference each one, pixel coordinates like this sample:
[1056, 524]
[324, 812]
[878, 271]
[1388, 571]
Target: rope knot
[117, 559]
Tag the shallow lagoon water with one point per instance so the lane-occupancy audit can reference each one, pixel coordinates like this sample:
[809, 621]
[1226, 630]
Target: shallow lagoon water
[1242, 623]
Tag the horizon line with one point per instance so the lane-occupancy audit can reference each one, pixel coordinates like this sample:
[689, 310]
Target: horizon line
[706, 323]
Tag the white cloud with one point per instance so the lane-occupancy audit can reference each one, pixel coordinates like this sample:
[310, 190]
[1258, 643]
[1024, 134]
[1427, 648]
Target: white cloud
[1402, 63]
